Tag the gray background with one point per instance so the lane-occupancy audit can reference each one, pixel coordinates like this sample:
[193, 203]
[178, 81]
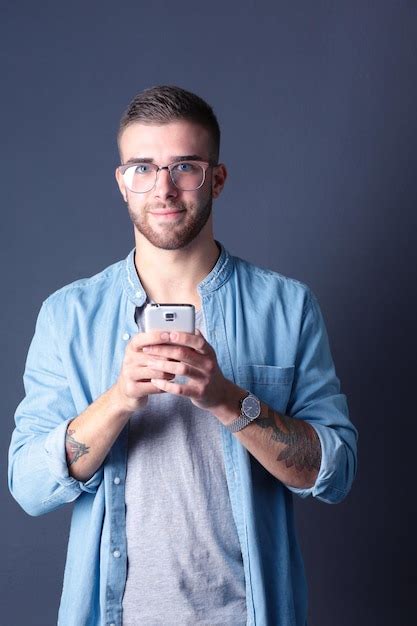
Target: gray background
[324, 95]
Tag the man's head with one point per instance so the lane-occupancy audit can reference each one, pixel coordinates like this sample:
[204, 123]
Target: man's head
[169, 144]
[164, 104]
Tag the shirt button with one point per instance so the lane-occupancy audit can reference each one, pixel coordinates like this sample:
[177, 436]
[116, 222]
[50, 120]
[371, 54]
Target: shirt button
[112, 624]
[138, 294]
[116, 554]
[116, 481]
[126, 336]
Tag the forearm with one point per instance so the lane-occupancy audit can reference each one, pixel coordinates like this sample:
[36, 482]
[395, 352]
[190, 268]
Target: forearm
[287, 447]
[91, 435]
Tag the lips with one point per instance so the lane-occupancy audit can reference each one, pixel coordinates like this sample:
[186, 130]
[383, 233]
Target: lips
[166, 212]
[162, 208]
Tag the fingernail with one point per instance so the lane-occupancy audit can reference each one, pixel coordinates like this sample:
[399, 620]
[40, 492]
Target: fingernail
[164, 336]
[174, 336]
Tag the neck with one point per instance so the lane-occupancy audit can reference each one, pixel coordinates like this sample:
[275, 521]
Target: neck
[173, 275]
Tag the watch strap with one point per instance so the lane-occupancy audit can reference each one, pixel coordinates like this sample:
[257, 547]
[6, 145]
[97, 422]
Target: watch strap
[239, 424]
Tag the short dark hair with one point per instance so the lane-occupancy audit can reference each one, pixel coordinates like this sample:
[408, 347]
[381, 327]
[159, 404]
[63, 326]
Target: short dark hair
[165, 104]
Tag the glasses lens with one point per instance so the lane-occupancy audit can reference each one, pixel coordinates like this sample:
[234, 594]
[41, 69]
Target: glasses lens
[140, 177]
[187, 175]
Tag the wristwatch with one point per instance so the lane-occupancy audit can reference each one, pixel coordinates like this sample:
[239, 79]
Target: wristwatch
[250, 409]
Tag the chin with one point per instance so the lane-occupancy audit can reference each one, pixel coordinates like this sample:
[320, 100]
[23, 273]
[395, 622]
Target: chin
[172, 240]
[169, 244]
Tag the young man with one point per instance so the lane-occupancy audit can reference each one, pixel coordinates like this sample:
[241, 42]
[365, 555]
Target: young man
[181, 450]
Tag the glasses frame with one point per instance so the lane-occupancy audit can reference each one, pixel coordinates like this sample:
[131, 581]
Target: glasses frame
[203, 164]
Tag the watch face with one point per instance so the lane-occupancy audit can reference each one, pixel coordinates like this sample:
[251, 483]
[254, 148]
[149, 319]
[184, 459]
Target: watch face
[251, 407]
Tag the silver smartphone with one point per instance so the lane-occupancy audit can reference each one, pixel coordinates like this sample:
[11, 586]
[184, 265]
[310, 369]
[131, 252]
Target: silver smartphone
[170, 317]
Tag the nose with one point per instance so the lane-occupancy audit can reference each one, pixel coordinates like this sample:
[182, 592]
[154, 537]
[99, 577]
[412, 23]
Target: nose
[164, 187]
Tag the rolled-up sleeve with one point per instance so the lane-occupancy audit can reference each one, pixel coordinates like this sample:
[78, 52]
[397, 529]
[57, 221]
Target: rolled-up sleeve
[316, 398]
[38, 473]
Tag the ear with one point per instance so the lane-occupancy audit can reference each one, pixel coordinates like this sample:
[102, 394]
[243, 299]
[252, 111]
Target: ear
[121, 183]
[218, 179]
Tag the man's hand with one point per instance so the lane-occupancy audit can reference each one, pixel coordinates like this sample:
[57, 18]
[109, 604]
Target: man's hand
[186, 354]
[134, 382]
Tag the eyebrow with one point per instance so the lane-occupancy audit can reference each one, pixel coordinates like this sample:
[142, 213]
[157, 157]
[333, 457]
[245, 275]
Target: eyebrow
[174, 159]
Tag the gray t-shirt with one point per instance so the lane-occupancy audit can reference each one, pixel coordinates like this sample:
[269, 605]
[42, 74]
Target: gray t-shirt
[184, 558]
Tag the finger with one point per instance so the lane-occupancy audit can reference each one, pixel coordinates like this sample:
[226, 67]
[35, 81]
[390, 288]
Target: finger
[177, 368]
[142, 389]
[174, 388]
[139, 374]
[138, 359]
[152, 388]
[178, 353]
[147, 339]
[191, 340]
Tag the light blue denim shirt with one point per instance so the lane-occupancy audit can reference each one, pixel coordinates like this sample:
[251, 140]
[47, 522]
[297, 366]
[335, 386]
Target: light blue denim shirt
[270, 338]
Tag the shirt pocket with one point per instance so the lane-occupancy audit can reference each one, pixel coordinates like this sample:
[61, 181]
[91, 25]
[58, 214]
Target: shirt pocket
[269, 383]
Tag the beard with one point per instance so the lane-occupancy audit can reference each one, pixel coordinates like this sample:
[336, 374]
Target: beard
[172, 236]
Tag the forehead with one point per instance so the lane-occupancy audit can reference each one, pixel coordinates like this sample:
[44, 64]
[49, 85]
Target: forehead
[164, 141]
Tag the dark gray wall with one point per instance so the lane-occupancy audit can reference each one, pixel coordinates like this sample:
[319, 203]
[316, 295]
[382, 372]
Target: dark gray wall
[324, 94]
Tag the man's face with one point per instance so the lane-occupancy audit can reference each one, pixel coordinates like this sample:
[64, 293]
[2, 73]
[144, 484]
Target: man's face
[166, 216]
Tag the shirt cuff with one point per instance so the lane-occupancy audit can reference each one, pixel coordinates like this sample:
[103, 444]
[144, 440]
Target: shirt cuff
[57, 462]
[327, 487]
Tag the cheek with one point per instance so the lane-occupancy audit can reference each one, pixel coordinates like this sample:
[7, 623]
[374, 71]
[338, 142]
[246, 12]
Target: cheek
[134, 210]
[135, 204]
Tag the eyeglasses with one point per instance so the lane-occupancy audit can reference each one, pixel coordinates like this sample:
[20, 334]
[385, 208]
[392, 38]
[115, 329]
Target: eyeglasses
[186, 175]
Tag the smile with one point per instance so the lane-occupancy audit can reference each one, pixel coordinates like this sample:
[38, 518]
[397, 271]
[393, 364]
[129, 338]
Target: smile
[167, 214]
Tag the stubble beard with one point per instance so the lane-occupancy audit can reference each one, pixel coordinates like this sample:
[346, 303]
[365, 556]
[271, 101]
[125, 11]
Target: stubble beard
[173, 236]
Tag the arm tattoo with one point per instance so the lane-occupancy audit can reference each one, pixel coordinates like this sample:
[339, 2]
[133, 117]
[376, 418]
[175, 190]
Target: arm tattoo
[302, 443]
[74, 448]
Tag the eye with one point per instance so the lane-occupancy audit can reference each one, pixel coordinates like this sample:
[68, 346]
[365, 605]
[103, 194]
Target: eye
[143, 168]
[184, 167]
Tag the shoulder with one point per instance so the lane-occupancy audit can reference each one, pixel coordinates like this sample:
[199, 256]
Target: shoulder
[87, 289]
[267, 281]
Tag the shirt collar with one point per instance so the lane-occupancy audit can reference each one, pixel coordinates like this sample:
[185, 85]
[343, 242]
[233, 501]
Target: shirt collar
[218, 275]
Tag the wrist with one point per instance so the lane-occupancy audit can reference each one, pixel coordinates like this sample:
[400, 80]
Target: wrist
[229, 409]
[121, 405]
